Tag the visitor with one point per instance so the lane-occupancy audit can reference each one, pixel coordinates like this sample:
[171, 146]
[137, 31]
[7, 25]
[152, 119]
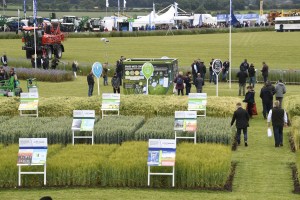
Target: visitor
[242, 76]
[45, 63]
[115, 82]
[39, 61]
[241, 117]
[225, 70]
[188, 83]
[32, 61]
[244, 66]
[179, 81]
[199, 83]
[278, 117]
[266, 96]
[75, 68]
[280, 91]
[265, 71]
[12, 73]
[3, 74]
[250, 100]
[195, 69]
[119, 70]
[202, 69]
[252, 78]
[104, 74]
[91, 82]
[212, 76]
[4, 60]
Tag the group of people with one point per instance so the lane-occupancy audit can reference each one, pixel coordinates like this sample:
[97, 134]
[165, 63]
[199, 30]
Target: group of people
[7, 76]
[116, 80]
[44, 62]
[185, 82]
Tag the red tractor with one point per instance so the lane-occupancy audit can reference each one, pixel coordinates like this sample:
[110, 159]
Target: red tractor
[48, 40]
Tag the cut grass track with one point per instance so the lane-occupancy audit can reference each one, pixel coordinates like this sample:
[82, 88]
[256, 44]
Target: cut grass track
[278, 50]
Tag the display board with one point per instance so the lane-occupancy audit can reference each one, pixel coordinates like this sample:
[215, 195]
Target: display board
[185, 121]
[164, 72]
[197, 102]
[32, 152]
[29, 102]
[161, 152]
[83, 120]
[110, 104]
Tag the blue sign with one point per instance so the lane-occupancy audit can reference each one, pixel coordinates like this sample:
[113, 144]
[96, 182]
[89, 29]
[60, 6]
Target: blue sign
[97, 69]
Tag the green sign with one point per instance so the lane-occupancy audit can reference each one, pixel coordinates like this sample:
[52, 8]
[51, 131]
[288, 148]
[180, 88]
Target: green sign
[147, 70]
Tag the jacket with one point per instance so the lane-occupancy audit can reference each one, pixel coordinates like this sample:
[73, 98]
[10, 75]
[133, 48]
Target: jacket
[249, 97]
[90, 79]
[241, 117]
[266, 95]
[251, 71]
[199, 82]
[265, 70]
[179, 86]
[115, 82]
[280, 89]
[242, 75]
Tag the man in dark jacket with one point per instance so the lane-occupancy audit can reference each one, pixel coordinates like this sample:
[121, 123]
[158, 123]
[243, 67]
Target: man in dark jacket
[91, 82]
[119, 70]
[266, 96]
[265, 71]
[4, 60]
[279, 119]
[244, 66]
[199, 83]
[115, 82]
[241, 117]
[195, 69]
[242, 76]
[252, 78]
[202, 70]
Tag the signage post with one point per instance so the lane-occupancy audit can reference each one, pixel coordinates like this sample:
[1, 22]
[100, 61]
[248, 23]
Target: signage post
[97, 71]
[217, 68]
[147, 70]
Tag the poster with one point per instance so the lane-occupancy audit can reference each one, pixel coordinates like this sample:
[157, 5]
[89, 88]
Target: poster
[197, 101]
[87, 125]
[185, 121]
[25, 156]
[32, 151]
[76, 124]
[161, 152]
[110, 101]
[29, 106]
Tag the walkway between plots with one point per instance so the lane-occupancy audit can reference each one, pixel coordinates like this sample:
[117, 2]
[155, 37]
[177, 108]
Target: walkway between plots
[262, 168]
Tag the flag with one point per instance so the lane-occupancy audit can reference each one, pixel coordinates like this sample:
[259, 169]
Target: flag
[24, 6]
[232, 18]
[107, 4]
[34, 11]
[124, 3]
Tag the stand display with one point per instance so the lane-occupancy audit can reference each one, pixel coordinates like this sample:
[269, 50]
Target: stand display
[185, 121]
[110, 103]
[29, 102]
[197, 102]
[83, 120]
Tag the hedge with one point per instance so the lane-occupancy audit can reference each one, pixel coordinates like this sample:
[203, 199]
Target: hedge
[131, 105]
[292, 105]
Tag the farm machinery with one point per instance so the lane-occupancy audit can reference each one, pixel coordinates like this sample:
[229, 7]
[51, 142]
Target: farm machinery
[49, 40]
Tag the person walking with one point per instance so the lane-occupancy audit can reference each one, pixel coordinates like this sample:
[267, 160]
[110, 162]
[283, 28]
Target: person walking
[241, 117]
[242, 76]
[91, 82]
[119, 70]
[266, 96]
[250, 100]
[115, 82]
[179, 81]
[75, 68]
[225, 70]
[280, 91]
[188, 83]
[252, 78]
[278, 117]
[199, 83]
[202, 70]
[265, 71]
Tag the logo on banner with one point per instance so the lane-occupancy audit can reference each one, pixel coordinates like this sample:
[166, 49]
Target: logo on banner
[147, 70]
[217, 66]
[97, 69]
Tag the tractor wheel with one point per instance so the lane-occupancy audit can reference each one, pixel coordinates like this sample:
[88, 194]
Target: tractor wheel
[58, 52]
[49, 53]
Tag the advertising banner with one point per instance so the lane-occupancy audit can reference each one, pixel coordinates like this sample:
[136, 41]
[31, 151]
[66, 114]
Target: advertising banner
[161, 152]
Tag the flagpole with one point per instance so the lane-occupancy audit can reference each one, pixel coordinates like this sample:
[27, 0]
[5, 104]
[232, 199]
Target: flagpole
[34, 32]
[230, 63]
[118, 8]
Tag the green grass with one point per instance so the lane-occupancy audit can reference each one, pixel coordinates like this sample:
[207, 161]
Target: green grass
[279, 50]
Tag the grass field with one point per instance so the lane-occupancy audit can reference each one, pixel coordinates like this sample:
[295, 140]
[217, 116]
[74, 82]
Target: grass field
[278, 50]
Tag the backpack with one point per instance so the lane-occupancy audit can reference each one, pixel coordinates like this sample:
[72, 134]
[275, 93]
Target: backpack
[179, 81]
